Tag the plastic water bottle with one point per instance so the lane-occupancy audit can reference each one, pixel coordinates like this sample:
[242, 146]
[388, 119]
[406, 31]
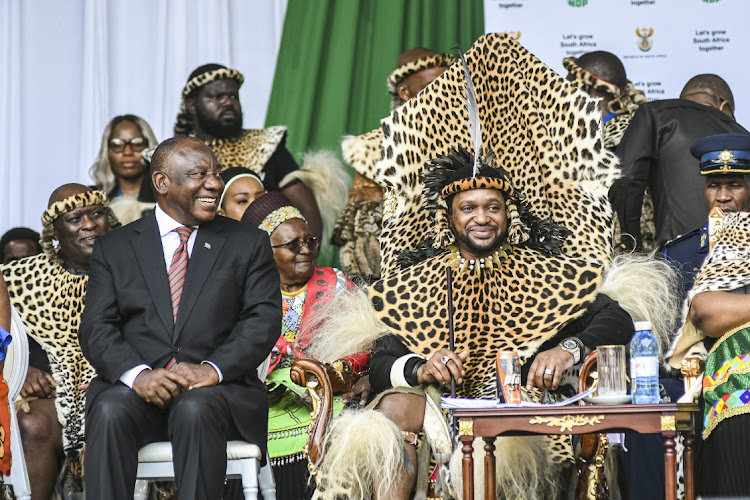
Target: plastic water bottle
[644, 365]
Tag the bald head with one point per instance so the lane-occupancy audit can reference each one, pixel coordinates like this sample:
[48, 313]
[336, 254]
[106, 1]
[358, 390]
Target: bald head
[175, 146]
[412, 55]
[710, 90]
[66, 191]
[605, 66]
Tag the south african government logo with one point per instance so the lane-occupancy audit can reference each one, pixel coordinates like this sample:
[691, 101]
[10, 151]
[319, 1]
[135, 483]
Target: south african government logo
[645, 43]
[578, 3]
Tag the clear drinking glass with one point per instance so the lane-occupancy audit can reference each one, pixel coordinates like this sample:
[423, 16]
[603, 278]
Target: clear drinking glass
[610, 365]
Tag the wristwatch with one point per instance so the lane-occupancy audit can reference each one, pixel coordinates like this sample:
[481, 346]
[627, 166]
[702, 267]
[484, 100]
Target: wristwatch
[574, 346]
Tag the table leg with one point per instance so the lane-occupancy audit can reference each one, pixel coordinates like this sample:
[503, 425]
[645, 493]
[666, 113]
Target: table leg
[489, 468]
[670, 466]
[688, 465]
[468, 466]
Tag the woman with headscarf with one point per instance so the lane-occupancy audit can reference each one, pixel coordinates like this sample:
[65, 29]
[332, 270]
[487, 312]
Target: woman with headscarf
[305, 288]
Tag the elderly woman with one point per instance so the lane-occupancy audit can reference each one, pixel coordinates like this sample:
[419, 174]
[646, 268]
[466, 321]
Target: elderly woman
[304, 288]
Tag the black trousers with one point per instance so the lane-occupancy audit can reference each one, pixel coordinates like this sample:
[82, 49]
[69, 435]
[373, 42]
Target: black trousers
[119, 423]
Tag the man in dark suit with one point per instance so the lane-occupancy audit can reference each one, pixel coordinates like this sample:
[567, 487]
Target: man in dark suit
[182, 307]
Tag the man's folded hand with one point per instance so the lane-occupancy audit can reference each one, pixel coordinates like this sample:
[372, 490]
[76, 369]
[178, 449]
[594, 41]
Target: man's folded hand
[203, 375]
[159, 386]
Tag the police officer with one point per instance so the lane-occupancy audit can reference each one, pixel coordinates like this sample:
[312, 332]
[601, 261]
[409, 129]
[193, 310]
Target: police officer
[725, 165]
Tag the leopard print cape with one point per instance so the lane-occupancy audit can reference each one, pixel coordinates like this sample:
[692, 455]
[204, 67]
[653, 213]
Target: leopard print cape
[49, 299]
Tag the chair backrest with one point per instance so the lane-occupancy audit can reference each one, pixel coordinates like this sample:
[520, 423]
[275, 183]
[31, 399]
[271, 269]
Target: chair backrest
[17, 356]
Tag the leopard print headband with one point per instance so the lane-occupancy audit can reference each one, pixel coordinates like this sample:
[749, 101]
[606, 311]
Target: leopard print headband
[477, 183]
[65, 205]
[408, 69]
[210, 76]
[625, 100]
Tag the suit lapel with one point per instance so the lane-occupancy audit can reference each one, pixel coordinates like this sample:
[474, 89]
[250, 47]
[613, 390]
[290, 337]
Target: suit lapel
[208, 244]
[150, 254]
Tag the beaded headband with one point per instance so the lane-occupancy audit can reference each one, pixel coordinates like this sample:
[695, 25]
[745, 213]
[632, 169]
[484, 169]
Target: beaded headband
[408, 69]
[210, 76]
[278, 217]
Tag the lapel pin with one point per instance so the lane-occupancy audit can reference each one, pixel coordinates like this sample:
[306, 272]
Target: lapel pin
[207, 245]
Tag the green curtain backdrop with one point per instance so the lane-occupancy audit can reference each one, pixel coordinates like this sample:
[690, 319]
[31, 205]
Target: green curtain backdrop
[336, 55]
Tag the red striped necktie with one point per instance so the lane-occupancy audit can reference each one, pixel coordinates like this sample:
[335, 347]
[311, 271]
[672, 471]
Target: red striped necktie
[178, 268]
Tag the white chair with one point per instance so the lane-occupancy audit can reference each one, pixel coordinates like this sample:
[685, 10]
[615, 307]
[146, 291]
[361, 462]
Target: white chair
[14, 373]
[243, 461]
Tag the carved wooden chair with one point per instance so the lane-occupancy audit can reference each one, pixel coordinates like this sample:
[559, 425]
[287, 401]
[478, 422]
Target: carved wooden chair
[323, 381]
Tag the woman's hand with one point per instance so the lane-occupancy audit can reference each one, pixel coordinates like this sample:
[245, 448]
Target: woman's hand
[441, 366]
[547, 369]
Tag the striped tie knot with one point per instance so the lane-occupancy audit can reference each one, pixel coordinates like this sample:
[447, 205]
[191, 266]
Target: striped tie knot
[184, 232]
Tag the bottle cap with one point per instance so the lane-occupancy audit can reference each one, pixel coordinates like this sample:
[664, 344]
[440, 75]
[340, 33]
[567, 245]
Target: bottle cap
[642, 325]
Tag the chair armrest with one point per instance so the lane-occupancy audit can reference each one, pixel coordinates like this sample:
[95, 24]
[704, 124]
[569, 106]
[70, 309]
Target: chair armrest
[692, 367]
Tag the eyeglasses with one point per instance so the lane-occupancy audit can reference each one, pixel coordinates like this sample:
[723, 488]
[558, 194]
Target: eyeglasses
[295, 246]
[136, 144]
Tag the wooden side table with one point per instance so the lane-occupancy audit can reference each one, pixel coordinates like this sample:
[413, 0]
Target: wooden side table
[667, 419]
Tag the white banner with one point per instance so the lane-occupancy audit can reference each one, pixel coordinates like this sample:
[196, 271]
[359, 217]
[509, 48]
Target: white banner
[662, 43]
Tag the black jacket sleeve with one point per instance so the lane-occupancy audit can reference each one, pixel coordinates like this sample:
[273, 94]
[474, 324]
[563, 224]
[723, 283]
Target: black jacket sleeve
[37, 356]
[638, 152]
[385, 353]
[605, 323]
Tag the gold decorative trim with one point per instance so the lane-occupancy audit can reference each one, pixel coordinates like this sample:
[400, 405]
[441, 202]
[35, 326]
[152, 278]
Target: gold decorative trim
[727, 335]
[725, 168]
[567, 422]
[465, 427]
[668, 423]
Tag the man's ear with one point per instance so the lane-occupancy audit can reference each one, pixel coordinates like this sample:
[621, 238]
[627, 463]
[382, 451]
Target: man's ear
[160, 181]
[725, 108]
[403, 92]
[190, 105]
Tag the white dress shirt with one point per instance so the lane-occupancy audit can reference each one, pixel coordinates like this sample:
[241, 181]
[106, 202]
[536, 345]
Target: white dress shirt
[170, 240]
